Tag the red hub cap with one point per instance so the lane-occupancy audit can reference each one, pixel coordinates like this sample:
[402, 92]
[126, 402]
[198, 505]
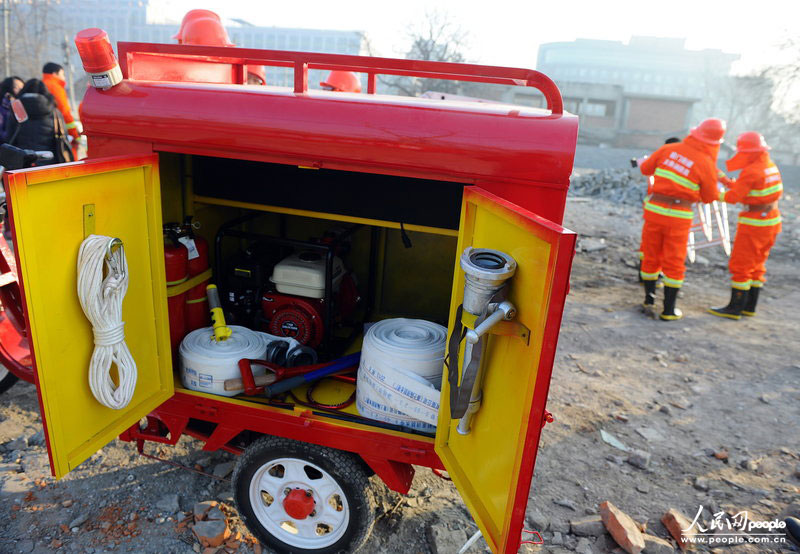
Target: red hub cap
[298, 504]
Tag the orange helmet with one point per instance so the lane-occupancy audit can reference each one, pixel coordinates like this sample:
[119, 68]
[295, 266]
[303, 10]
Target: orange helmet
[258, 72]
[205, 31]
[709, 130]
[342, 81]
[751, 141]
[190, 16]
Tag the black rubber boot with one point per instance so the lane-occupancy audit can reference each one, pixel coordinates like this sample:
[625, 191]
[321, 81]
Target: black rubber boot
[649, 303]
[752, 300]
[670, 313]
[649, 292]
[793, 530]
[734, 308]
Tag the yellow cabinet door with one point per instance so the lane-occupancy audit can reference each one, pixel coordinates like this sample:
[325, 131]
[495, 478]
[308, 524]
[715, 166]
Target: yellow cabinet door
[492, 465]
[53, 208]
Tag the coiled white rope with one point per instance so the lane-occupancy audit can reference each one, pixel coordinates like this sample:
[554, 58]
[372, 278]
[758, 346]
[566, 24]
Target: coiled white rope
[101, 300]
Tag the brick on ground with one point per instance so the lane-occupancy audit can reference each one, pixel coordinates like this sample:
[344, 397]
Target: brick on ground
[675, 522]
[624, 530]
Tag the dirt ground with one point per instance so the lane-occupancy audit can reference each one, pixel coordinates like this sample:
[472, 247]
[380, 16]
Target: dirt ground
[680, 392]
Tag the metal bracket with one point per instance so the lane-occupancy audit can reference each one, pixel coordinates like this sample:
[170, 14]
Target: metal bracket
[88, 220]
[512, 329]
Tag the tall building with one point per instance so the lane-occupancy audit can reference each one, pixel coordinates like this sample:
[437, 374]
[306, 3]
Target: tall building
[635, 93]
[145, 21]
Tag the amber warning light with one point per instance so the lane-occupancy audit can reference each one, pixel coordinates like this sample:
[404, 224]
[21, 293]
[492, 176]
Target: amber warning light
[98, 58]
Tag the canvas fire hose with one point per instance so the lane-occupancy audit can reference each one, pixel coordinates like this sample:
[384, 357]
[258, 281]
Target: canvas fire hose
[209, 356]
[101, 300]
[486, 272]
[400, 374]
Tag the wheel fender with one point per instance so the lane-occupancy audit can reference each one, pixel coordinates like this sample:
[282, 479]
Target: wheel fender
[396, 475]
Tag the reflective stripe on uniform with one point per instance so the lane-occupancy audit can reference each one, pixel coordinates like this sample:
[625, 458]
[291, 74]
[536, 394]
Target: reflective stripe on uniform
[674, 283]
[741, 285]
[671, 212]
[648, 276]
[767, 191]
[760, 222]
[756, 284]
[72, 125]
[675, 178]
[721, 196]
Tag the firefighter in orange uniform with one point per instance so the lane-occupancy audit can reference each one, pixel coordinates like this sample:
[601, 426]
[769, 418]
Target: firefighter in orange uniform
[758, 188]
[636, 162]
[341, 81]
[205, 28]
[190, 16]
[53, 78]
[684, 173]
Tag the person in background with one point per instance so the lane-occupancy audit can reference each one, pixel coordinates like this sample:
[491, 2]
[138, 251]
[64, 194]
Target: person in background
[758, 189]
[9, 90]
[341, 81]
[256, 75]
[205, 28]
[684, 173]
[53, 78]
[636, 162]
[44, 128]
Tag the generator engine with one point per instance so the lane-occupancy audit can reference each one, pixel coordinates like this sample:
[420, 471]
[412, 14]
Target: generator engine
[293, 316]
[297, 307]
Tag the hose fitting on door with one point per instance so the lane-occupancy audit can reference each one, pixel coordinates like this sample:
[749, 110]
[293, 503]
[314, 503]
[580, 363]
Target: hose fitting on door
[485, 272]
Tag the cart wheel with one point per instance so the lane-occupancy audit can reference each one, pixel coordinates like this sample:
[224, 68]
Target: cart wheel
[6, 379]
[302, 498]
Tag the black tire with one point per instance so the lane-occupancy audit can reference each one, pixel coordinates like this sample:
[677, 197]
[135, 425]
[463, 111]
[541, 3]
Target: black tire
[7, 381]
[344, 468]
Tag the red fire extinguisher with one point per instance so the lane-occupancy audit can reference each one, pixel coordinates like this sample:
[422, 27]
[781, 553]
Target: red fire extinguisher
[196, 310]
[176, 259]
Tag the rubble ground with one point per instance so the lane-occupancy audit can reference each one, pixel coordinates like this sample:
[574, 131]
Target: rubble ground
[708, 409]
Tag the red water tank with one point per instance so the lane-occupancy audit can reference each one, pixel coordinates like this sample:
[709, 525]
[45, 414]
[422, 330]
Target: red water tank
[176, 260]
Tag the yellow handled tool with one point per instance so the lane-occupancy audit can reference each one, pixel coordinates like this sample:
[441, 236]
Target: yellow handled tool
[221, 331]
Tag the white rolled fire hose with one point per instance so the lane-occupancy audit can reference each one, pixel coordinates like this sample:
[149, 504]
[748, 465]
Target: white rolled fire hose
[101, 299]
[400, 373]
[206, 363]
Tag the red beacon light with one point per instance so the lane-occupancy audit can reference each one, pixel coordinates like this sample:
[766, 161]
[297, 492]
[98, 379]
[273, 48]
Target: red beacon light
[98, 58]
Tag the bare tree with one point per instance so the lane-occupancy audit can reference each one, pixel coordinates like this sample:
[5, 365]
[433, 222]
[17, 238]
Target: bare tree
[34, 31]
[436, 38]
[787, 79]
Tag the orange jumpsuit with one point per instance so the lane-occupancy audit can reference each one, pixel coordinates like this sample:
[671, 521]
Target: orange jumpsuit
[758, 184]
[683, 170]
[57, 88]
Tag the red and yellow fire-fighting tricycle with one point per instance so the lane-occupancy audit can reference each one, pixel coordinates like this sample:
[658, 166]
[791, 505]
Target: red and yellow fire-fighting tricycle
[413, 181]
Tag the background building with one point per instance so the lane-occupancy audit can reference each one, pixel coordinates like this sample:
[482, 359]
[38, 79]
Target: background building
[633, 94]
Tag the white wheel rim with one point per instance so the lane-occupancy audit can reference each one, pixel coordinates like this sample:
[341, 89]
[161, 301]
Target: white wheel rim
[327, 523]
[3, 372]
